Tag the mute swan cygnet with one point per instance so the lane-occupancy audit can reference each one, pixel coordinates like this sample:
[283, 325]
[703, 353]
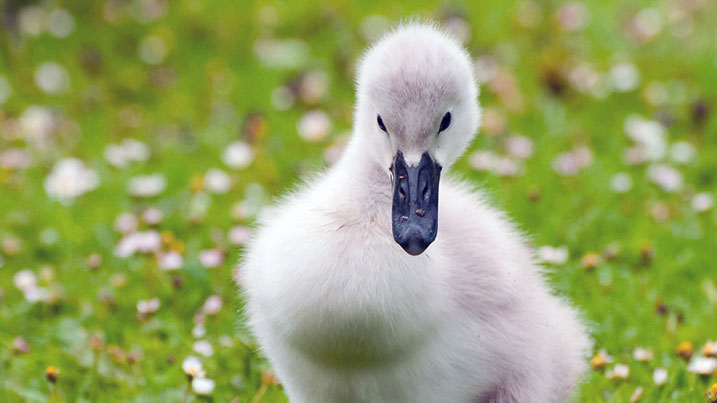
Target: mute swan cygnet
[362, 287]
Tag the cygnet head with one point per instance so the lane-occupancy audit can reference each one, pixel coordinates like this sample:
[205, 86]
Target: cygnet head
[416, 112]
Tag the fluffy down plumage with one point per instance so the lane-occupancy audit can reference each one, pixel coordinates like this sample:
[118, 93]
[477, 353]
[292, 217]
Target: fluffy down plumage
[345, 315]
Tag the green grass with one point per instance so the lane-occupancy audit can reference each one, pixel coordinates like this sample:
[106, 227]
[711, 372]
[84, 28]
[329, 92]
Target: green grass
[215, 82]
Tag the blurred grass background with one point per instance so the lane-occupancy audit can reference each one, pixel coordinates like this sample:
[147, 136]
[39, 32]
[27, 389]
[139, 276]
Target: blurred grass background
[598, 139]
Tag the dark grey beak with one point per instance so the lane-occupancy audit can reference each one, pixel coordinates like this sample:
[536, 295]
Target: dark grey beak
[415, 203]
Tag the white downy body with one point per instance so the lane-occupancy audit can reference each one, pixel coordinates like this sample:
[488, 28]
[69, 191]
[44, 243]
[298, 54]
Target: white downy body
[345, 315]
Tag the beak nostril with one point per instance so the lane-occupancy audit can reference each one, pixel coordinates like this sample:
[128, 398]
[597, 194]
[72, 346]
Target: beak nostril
[415, 203]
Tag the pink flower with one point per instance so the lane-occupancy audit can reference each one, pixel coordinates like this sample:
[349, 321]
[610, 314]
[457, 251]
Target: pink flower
[198, 331]
[126, 223]
[25, 279]
[483, 160]
[574, 161]
[556, 256]
[642, 354]
[52, 78]
[212, 305]
[702, 202]
[702, 365]
[192, 367]
[239, 235]
[619, 371]
[145, 242]
[519, 146]
[649, 136]
[147, 307]
[13, 159]
[130, 150]
[20, 345]
[666, 177]
[217, 181]
[621, 183]
[170, 261]
[281, 53]
[37, 123]
[572, 16]
[625, 77]
[238, 155]
[70, 178]
[314, 126]
[147, 185]
[152, 216]
[211, 257]
[204, 348]
[203, 386]
[659, 376]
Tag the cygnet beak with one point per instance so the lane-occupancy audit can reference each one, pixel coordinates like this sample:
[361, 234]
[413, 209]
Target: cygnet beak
[415, 203]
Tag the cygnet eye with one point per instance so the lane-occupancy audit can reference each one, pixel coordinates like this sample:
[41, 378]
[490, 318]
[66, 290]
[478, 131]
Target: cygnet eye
[445, 122]
[380, 124]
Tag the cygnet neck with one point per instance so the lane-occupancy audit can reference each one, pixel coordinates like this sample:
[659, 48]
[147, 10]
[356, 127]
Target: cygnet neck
[360, 171]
